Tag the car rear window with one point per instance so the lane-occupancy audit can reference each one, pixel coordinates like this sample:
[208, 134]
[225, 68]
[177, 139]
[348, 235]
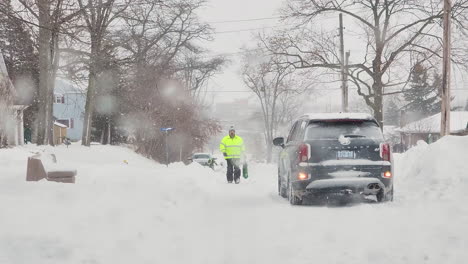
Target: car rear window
[201, 156]
[347, 128]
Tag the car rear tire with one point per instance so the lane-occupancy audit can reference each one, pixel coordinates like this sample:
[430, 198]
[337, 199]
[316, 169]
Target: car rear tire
[380, 196]
[293, 199]
[281, 191]
[389, 196]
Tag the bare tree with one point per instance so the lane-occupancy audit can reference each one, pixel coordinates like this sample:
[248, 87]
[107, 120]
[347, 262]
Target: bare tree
[21, 59]
[156, 32]
[271, 82]
[164, 70]
[387, 40]
[47, 20]
[195, 72]
[142, 48]
[98, 16]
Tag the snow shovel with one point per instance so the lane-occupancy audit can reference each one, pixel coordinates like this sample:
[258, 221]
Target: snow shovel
[245, 172]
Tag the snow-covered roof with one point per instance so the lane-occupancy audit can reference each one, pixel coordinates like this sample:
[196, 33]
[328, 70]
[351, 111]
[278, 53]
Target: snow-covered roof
[390, 129]
[59, 124]
[201, 153]
[458, 122]
[327, 116]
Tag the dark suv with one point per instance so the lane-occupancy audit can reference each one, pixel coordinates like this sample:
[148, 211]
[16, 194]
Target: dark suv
[335, 156]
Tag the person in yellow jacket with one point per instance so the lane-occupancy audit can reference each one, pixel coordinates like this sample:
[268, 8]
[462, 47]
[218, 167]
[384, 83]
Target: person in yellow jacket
[232, 147]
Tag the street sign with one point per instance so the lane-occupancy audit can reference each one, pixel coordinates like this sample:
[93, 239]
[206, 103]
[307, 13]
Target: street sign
[164, 129]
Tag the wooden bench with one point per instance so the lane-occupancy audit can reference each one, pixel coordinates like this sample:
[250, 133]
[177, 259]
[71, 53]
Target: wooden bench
[45, 166]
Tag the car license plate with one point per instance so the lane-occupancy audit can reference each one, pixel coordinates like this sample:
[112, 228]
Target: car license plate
[345, 154]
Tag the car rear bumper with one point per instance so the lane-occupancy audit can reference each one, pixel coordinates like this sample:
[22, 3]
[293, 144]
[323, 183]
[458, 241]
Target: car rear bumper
[343, 190]
[352, 183]
[352, 188]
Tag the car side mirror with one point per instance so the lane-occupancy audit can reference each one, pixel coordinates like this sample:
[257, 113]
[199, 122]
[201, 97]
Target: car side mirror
[190, 159]
[279, 141]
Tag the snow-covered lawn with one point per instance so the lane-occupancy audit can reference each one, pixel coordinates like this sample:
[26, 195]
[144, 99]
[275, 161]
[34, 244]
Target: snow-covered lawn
[144, 212]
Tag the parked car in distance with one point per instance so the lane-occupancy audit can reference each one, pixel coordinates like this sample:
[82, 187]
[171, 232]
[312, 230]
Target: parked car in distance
[205, 159]
[335, 156]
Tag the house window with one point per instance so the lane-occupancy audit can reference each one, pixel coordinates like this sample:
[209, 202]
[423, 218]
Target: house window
[59, 99]
[64, 122]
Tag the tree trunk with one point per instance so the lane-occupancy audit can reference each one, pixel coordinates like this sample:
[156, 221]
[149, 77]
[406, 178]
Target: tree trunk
[377, 86]
[44, 38]
[109, 131]
[89, 107]
[106, 132]
[103, 132]
[269, 150]
[269, 140]
[378, 102]
[55, 56]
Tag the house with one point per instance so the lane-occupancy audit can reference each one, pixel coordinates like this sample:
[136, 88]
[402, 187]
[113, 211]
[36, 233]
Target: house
[69, 107]
[68, 110]
[428, 129]
[11, 110]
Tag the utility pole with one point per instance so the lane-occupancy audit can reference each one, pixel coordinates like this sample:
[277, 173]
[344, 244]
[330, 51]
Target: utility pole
[344, 88]
[346, 81]
[167, 150]
[445, 111]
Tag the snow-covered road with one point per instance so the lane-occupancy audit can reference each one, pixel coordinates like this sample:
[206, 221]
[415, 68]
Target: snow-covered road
[143, 212]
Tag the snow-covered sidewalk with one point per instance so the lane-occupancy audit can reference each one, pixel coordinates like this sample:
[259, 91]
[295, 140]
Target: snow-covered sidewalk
[143, 212]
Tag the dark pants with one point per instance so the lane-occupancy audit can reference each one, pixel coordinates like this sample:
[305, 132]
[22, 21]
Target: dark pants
[233, 168]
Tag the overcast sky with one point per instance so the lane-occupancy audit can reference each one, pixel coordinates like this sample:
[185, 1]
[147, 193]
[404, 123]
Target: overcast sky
[231, 35]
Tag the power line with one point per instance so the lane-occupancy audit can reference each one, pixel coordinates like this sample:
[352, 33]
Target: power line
[224, 32]
[263, 18]
[247, 29]
[244, 20]
[321, 18]
[229, 91]
[312, 89]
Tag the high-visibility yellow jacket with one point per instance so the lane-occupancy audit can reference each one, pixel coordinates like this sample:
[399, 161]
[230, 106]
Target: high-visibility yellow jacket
[233, 147]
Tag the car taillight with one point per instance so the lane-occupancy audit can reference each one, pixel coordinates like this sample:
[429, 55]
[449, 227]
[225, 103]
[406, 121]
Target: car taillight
[385, 151]
[304, 152]
[387, 174]
[302, 176]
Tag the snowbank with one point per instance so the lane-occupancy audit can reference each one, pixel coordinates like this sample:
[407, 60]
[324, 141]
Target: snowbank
[434, 172]
[125, 208]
